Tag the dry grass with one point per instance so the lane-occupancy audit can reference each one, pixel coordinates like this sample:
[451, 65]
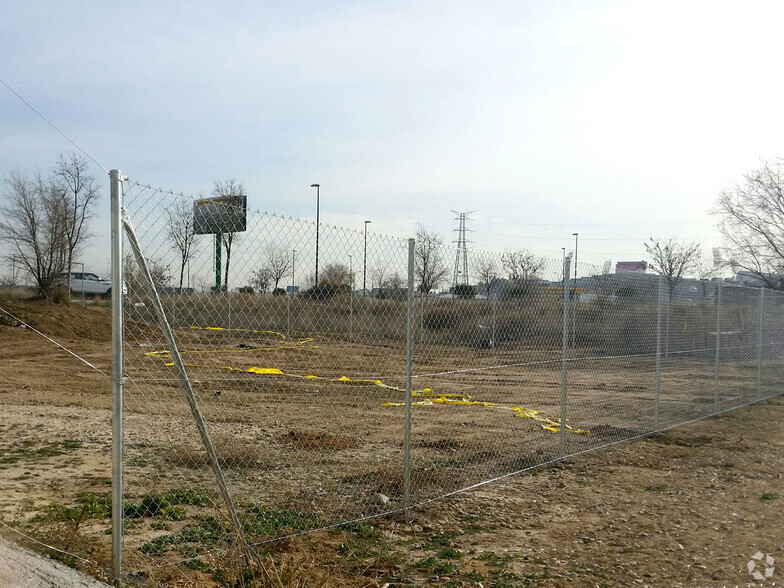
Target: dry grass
[230, 455]
[300, 439]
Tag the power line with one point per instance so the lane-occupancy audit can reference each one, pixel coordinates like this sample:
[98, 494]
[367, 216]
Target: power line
[51, 124]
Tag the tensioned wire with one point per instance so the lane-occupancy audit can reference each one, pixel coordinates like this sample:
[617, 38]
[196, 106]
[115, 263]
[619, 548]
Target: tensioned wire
[83, 360]
[36, 541]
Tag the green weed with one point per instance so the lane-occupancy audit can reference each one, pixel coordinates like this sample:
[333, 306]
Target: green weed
[449, 553]
[89, 506]
[262, 521]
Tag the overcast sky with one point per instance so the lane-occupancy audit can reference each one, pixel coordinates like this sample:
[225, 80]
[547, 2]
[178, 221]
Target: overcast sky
[620, 120]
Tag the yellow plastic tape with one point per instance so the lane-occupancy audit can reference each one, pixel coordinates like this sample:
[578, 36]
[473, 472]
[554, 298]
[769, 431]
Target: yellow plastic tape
[430, 397]
[282, 343]
[545, 422]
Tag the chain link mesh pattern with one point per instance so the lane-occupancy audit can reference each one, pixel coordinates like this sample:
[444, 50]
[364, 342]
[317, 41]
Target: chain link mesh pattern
[303, 394]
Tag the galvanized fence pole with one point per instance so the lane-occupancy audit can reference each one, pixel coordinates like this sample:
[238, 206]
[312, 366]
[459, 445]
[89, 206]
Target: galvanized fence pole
[759, 343]
[351, 314]
[658, 351]
[116, 192]
[564, 360]
[409, 377]
[718, 348]
[493, 342]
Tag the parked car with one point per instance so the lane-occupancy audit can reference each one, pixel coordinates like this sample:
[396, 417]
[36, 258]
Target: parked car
[91, 284]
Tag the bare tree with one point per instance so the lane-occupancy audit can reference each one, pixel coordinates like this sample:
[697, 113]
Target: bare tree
[673, 259]
[136, 281]
[80, 192]
[260, 280]
[33, 223]
[751, 219]
[521, 265]
[278, 263]
[228, 189]
[485, 268]
[336, 275]
[395, 282]
[429, 259]
[180, 230]
[378, 274]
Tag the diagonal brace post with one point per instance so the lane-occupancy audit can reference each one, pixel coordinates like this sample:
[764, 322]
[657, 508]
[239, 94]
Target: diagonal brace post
[185, 382]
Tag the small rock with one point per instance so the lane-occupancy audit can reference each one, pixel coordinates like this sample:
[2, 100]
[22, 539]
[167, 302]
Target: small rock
[379, 498]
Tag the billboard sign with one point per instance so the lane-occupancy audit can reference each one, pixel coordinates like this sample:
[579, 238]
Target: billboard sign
[637, 267]
[223, 214]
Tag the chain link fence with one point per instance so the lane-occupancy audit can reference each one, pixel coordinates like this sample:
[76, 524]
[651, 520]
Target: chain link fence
[280, 401]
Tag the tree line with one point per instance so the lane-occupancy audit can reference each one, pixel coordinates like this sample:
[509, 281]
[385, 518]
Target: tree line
[44, 225]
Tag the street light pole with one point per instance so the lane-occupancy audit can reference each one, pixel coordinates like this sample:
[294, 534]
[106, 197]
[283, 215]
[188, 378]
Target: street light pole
[317, 187]
[575, 258]
[563, 264]
[364, 263]
[293, 261]
[574, 306]
[351, 298]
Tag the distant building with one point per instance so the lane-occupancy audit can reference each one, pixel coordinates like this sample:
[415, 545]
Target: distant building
[637, 267]
[759, 280]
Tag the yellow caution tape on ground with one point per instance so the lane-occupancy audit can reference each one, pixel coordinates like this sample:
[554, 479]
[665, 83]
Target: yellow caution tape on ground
[545, 422]
[430, 397]
[195, 328]
[282, 343]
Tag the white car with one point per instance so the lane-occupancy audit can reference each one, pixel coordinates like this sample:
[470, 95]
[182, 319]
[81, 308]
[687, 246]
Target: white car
[90, 284]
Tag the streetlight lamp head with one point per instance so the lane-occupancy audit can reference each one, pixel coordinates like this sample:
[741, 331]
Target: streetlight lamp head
[315, 185]
[574, 234]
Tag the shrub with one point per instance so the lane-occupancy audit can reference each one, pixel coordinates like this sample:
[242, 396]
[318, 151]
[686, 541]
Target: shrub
[465, 291]
[438, 319]
[321, 292]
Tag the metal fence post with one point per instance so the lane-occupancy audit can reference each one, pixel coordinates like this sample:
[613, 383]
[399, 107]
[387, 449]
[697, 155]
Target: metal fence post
[759, 343]
[409, 376]
[351, 316]
[493, 340]
[718, 348]
[288, 314]
[658, 351]
[116, 190]
[564, 360]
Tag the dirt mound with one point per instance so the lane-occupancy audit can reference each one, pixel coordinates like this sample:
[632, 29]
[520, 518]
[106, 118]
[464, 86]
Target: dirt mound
[61, 321]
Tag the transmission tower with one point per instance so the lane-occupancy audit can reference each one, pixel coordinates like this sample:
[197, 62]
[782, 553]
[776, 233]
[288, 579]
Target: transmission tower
[461, 255]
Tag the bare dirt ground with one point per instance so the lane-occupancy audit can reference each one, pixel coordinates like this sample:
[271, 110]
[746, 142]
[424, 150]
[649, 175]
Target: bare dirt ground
[20, 568]
[689, 507]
